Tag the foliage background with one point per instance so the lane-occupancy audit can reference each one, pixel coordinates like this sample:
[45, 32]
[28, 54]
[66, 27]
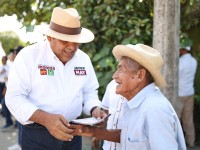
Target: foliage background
[10, 40]
[113, 22]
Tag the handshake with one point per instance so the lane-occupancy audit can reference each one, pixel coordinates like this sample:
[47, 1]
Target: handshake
[93, 127]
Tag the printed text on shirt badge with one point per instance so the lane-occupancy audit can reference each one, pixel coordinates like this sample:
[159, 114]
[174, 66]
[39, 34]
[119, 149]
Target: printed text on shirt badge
[80, 71]
[46, 70]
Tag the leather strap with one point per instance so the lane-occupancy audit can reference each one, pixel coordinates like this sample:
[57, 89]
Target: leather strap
[65, 30]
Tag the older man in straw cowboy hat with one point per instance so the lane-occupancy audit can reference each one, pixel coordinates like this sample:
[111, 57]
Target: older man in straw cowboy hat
[51, 83]
[146, 117]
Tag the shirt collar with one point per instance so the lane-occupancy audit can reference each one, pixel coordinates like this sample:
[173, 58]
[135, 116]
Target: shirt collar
[185, 55]
[138, 99]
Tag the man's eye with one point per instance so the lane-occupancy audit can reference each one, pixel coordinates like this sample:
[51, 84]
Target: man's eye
[120, 70]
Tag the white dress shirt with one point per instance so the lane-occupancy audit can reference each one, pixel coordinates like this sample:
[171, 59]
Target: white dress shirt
[150, 123]
[114, 104]
[187, 70]
[39, 80]
[110, 91]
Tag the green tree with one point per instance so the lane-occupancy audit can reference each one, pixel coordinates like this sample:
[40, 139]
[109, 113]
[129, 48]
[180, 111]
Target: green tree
[113, 22]
[190, 16]
[9, 40]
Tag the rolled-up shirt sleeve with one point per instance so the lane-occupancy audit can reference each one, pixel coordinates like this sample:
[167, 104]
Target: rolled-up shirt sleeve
[19, 86]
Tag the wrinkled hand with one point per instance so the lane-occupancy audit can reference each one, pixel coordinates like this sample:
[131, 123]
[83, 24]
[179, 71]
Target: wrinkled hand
[98, 113]
[99, 133]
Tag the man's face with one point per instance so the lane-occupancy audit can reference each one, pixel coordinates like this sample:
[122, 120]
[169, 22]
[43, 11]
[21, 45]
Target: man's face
[182, 51]
[4, 60]
[64, 50]
[125, 77]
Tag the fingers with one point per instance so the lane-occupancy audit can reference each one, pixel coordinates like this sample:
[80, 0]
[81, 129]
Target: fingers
[64, 121]
[61, 132]
[98, 113]
[58, 126]
[66, 129]
[63, 136]
[77, 129]
[104, 115]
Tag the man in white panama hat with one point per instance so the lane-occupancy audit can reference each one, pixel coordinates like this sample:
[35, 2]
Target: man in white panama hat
[51, 83]
[146, 117]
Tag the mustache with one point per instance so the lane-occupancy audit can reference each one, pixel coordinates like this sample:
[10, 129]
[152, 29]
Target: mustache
[67, 49]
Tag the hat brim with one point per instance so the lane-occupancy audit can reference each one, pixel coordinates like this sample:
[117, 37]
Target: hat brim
[84, 37]
[120, 50]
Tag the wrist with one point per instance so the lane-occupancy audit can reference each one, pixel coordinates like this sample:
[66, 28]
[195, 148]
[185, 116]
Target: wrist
[40, 117]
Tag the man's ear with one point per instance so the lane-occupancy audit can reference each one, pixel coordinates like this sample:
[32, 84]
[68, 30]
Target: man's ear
[141, 74]
[49, 38]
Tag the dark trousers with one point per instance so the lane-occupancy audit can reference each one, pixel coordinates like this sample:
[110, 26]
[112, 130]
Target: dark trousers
[2, 86]
[6, 112]
[19, 126]
[37, 137]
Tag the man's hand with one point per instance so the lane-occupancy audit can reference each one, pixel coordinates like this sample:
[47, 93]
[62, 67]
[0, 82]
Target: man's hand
[98, 113]
[56, 124]
[96, 143]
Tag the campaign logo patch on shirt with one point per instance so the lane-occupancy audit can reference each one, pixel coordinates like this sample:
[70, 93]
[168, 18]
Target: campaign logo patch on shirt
[46, 70]
[51, 72]
[43, 71]
[80, 71]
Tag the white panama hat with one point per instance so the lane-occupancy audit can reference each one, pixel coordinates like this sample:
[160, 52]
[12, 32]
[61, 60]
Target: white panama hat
[148, 57]
[65, 25]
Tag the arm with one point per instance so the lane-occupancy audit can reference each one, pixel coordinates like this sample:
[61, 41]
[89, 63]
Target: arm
[85, 130]
[19, 102]
[18, 88]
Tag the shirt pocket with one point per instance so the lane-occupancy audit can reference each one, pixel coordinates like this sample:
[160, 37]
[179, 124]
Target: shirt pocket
[140, 143]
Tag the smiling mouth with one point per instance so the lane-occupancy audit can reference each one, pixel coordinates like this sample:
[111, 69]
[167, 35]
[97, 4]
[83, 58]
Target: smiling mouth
[68, 52]
[118, 83]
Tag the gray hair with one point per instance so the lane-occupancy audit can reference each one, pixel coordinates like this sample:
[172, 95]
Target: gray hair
[135, 66]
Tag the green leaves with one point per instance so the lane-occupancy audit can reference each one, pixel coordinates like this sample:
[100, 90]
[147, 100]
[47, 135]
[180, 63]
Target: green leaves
[113, 22]
[10, 40]
[189, 14]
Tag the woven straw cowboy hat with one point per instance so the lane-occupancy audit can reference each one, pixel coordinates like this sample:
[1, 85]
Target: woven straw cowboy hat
[148, 57]
[65, 25]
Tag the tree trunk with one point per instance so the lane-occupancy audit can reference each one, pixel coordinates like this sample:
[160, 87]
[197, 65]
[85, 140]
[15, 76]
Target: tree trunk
[166, 41]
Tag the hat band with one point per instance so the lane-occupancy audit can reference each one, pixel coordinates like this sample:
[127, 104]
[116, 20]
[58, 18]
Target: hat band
[65, 30]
